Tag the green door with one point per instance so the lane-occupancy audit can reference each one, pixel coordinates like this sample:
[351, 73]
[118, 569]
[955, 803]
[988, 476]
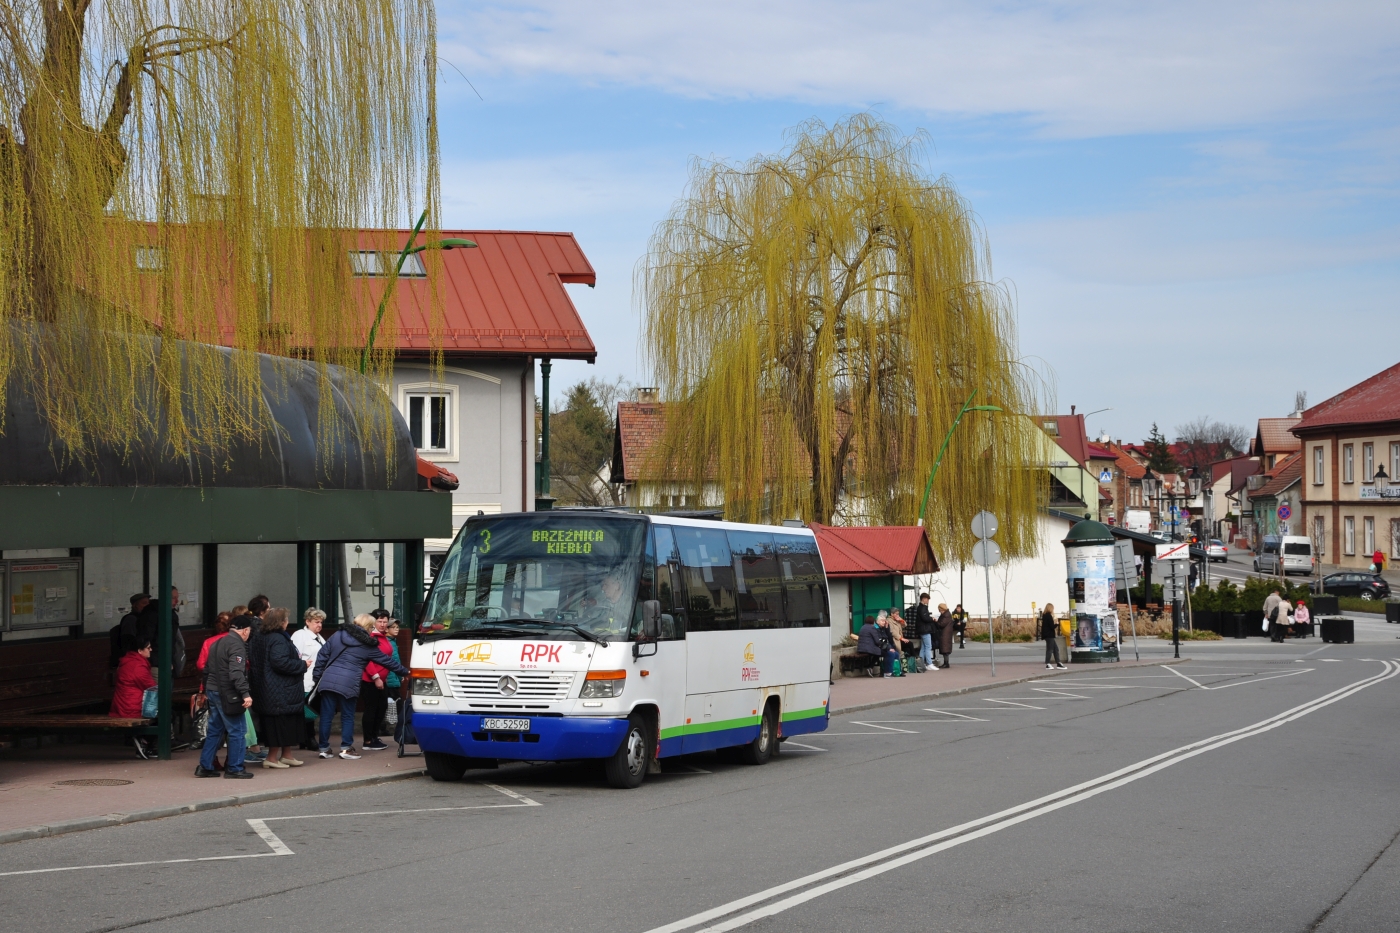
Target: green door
[871, 594]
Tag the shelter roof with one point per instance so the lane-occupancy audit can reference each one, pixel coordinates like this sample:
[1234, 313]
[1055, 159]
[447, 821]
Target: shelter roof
[1375, 400]
[882, 551]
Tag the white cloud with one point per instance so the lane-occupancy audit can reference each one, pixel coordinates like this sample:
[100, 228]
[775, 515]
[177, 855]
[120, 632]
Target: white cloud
[1085, 68]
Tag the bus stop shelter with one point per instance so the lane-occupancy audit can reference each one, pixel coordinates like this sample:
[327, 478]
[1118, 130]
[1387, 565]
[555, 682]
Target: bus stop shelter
[285, 486]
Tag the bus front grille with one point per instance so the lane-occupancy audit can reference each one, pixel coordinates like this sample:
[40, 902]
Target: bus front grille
[519, 685]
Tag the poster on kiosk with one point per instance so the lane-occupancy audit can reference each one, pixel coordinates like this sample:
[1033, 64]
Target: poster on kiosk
[1093, 594]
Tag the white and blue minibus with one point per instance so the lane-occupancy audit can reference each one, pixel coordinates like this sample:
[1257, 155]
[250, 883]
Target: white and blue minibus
[614, 635]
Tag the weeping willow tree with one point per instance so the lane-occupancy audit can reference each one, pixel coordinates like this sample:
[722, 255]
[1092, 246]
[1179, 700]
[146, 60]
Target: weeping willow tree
[817, 319]
[181, 174]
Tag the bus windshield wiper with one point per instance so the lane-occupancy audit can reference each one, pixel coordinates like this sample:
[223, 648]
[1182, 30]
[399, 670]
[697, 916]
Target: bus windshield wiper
[602, 642]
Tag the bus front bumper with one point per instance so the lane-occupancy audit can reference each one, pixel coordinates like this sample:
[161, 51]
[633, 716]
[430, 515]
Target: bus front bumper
[549, 738]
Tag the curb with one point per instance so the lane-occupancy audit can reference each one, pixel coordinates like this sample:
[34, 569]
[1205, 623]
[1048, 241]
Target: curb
[896, 701]
[158, 813]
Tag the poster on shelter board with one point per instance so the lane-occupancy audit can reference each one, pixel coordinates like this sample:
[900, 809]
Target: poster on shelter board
[1092, 581]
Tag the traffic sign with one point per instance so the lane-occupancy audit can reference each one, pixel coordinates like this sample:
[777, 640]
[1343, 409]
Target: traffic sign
[984, 525]
[1284, 512]
[1180, 551]
[986, 553]
[1106, 475]
[1125, 567]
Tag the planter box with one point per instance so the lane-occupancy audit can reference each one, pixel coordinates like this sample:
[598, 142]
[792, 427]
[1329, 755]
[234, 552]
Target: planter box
[1392, 612]
[1338, 630]
[1324, 605]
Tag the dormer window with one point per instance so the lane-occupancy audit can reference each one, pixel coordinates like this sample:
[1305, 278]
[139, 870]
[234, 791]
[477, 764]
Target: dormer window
[374, 263]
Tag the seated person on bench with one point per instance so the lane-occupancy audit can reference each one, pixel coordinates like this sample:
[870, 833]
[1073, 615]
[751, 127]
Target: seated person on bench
[875, 640]
[133, 680]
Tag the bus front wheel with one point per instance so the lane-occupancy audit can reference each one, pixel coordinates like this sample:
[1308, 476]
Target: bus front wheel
[765, 744]
[627, 767]
[443, 767]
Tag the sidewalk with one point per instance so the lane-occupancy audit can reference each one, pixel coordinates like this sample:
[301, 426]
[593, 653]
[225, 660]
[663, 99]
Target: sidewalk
[850, 694]
[34, 803]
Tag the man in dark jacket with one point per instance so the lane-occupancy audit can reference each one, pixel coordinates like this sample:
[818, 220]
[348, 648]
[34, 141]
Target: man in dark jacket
[924, 627]
[875, 640]
[946, 627]
[1049, 631]
[339, 670]
[228, 693]
[147, 628]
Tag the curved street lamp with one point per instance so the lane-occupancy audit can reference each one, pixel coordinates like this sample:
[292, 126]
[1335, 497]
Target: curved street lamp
[408, 250]
[967, 407]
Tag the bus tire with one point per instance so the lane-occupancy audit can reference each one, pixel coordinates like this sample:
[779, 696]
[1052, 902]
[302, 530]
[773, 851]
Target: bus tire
[765, 745]
[627, 767]
[443, 767]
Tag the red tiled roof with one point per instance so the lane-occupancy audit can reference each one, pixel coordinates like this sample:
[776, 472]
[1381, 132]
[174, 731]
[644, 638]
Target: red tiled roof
[1072, 436]
[1126, 464]
[1232, 465]
[640, 426]
[1273, 436]
[1375, 400]
[1284, 474]
[504, 298]
[875, 552]
[1100, 452]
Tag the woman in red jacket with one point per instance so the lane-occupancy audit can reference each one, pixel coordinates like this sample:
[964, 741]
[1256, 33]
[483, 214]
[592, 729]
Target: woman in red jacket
[132, 681]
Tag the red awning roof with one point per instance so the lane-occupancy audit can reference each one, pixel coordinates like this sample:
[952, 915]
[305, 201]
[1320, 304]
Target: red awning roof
[504, 298]
[893, 550]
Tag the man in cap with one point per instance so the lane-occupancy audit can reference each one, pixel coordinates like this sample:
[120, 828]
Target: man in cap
[229, 695]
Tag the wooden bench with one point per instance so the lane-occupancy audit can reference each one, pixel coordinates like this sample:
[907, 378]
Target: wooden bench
[866, 664]
[50, 723]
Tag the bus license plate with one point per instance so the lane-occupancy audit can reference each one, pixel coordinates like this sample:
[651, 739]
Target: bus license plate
[505, 725]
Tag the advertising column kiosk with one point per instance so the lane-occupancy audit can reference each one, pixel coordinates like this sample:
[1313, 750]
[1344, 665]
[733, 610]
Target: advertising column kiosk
[1093, 593]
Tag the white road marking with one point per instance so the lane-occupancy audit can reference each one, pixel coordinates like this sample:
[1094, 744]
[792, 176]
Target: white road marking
[1013, 703]
[278, 847]
[1184, 677]
[1256, 680]
[929, 709]
[886, 860]
[857, 722]
[810, 748]
[1054, 691]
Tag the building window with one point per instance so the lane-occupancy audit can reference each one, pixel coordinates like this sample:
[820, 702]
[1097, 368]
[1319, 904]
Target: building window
[1368, 462]
[375, 263]
[1317, 466]
[150, 258]
[1320, 535]
[1349, 536]
[1394, 461]
[1395, 539]
[429, 421]
[1348, 464]
[1368, 525]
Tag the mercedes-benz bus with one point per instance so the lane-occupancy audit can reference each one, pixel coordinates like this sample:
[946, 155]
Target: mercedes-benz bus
[613, 635]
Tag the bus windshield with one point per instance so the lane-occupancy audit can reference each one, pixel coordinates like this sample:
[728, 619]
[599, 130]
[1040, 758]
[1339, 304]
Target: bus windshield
[565, 576]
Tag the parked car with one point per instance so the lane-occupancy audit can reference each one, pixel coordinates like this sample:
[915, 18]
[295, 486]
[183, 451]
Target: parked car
[1297, 555]
[1217, 551]
[1355, 583]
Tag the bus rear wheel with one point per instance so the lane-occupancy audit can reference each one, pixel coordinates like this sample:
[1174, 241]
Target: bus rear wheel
[627, 767]
[765, 744]
[443, 767]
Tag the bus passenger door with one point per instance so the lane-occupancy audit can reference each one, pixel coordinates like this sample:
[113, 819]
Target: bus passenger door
[666, 680]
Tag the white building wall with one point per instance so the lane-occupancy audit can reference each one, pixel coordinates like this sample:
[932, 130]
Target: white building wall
[839, 597]
[1015, 584]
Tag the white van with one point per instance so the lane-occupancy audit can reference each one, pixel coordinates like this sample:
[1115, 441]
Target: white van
[1297, 555]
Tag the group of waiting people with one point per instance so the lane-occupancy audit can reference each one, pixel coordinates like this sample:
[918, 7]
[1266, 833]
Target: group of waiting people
[883, 636]
[1282, 618]
[256, 674]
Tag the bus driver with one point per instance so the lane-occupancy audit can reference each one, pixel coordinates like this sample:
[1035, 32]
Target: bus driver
[601, 618]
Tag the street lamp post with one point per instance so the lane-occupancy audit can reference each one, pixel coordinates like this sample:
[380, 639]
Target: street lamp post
[967, 407]
[408, 250]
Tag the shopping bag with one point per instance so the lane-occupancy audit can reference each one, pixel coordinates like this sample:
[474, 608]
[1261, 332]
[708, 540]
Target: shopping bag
[252, 734]
[391, 712]
[150, 703]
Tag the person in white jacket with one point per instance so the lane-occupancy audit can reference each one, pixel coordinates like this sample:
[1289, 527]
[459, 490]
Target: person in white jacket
[308, 642]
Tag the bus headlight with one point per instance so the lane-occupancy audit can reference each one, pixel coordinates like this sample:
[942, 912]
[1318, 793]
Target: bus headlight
[598, 684]
[425, 682]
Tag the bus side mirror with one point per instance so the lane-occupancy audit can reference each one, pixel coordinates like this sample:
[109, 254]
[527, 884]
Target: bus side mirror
[651, 618]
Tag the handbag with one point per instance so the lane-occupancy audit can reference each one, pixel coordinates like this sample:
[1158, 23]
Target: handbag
[391, 712]
[199, 718]
[150, 703]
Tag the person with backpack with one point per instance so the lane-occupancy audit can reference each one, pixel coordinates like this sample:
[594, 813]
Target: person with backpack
[1050, 631]
[338, 673]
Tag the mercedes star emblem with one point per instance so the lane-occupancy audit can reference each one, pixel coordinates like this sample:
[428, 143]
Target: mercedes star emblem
[507, 685]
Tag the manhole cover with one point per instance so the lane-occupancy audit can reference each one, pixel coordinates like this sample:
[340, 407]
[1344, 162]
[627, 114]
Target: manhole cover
[93, 782]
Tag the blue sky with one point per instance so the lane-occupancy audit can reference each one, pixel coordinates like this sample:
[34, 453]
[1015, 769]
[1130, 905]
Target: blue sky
[1194, 204]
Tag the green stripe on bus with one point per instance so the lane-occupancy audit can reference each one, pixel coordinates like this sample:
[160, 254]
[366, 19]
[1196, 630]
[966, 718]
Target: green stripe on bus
[804, 714]
[698, 727]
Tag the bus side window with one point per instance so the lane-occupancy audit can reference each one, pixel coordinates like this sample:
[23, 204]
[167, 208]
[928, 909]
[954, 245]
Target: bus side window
[709, 579]
[801, 567]
[757, 583]
[669, 588]
[646, 584]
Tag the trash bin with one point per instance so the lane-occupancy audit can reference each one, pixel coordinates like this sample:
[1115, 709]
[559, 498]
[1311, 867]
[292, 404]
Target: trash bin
[1324, 605]
[1338, 630]
[1392, 612]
